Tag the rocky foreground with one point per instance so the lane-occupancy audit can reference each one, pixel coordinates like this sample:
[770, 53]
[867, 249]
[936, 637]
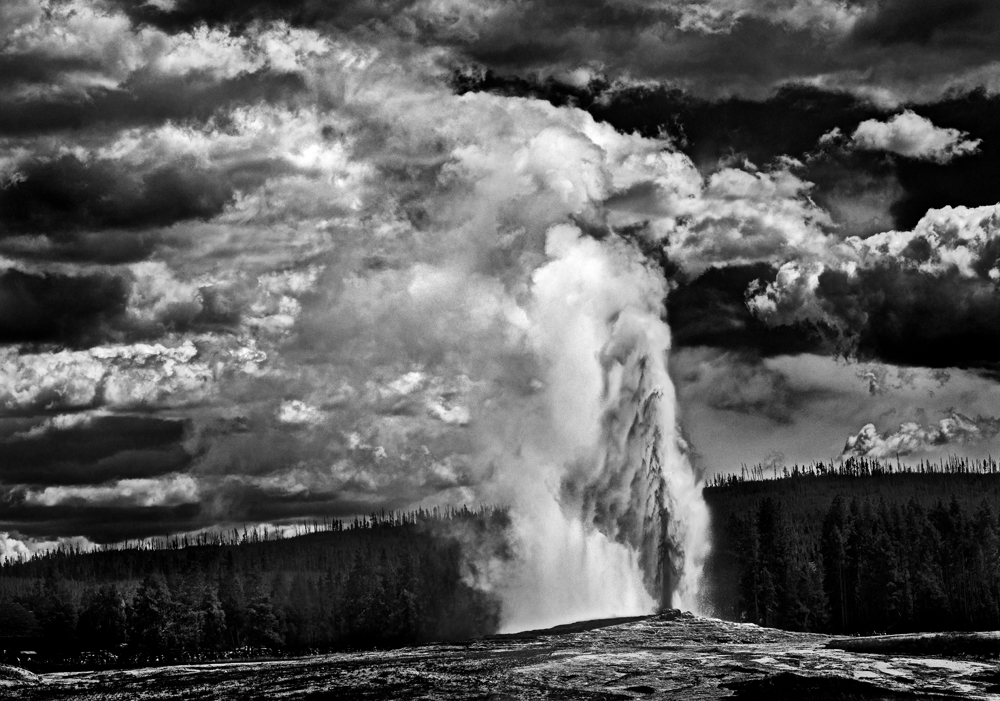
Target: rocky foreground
[666, 656]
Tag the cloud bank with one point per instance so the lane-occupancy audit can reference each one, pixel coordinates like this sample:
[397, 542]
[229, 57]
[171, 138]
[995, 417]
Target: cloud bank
[953, 431]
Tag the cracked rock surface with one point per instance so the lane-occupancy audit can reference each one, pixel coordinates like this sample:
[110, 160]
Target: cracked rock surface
[667, 656]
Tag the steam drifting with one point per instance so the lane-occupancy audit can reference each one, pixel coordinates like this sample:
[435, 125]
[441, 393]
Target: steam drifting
[609, 514]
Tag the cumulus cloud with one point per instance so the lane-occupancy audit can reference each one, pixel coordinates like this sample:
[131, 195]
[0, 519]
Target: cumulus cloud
[920, 297]
[954, 430]
[120, 377]
[790, 297]
[165, 491]
[81, 48]
[298, 412]
[60, 422]
[743, 216]
[743, 384]
[951, 238]
[14, 548]
[908, 134]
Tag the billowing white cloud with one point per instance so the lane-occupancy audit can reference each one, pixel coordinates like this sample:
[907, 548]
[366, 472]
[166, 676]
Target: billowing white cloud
[171, 490]
[745, 216]
[227, 55]
[101, 49]
[719, 16]
[954, 430]
[60, 422]
[157, 295]
[947, 238]
[15, 548]
[298, 412]
[121, 377]
[908, 134]
[950, 239]
[791, 297]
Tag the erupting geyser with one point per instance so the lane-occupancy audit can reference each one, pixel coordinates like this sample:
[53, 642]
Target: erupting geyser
[609, 515]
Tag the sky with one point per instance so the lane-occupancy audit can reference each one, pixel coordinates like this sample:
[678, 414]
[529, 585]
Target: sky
[264, 261]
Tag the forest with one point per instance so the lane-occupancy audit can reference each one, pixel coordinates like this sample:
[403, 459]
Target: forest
[863, 547]
[857, 547]
[380, 581]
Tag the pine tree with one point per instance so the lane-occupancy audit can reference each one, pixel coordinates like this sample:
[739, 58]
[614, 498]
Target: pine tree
[153, 626]
[834, 552]
[104, 620]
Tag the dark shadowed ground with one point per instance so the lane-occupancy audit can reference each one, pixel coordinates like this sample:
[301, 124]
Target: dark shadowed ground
[668, 656]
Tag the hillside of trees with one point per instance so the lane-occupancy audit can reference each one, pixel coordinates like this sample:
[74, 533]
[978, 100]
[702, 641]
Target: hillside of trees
[860, 547]
[387, 580]
[857, 547]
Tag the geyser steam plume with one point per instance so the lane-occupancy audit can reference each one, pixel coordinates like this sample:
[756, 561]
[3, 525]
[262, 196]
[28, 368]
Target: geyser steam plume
[609, 514]
[456, 339]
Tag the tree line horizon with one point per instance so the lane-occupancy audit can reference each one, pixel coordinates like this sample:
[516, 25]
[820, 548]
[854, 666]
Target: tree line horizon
[857, 466]
[852, 466]
[863, 546]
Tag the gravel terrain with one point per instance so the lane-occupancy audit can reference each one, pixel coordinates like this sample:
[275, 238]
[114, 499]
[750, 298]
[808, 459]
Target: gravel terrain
[666, 656]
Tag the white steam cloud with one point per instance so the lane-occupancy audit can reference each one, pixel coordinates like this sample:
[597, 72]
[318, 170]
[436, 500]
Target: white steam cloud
[609, 517]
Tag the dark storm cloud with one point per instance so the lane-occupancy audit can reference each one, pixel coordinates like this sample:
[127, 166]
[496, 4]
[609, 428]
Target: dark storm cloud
[860, 190]
[927, 22]
[908, 317]
[117, 523]
[75, 311]
[711, 310]
[146, 99]
[788, 123]
[112, 246]
[642, 39]
[769, 53]
[101, 449]
[100, 524]
[187, 14]
[907, 46]
[249, 503]
[81, 311]
[231, 503]
[59, 197]
[971, 180]
[39, 68]
[742, 383]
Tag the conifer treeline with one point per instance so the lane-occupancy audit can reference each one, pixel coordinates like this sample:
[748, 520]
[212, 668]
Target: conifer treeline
[855, 466]
[389, 579]
[868, 563]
